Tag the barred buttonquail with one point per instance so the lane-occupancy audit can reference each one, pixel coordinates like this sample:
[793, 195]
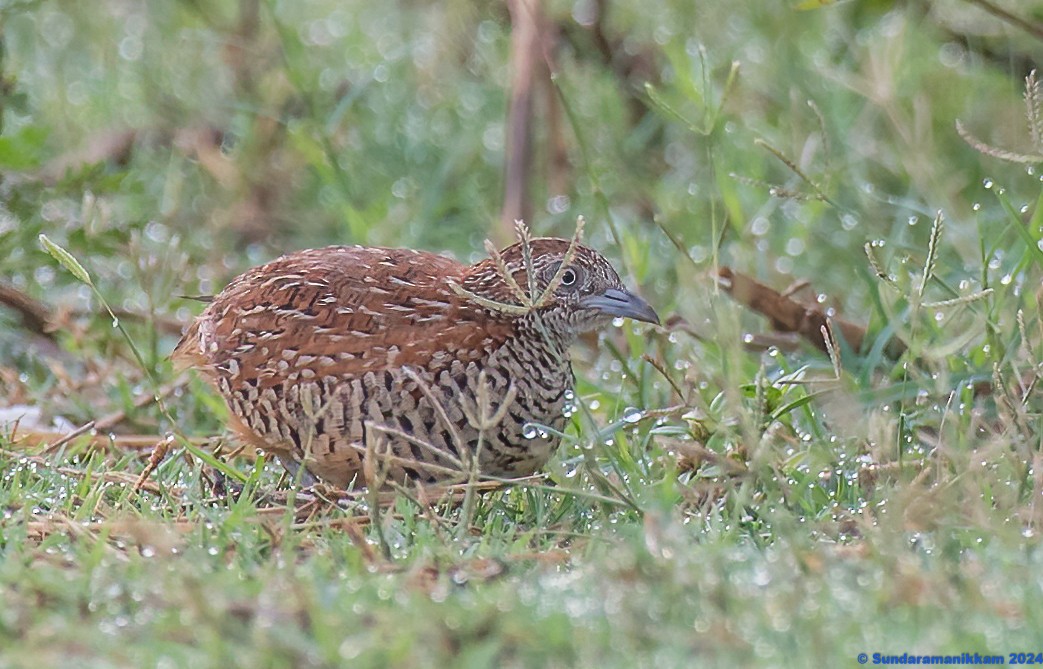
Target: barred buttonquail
[328, 354]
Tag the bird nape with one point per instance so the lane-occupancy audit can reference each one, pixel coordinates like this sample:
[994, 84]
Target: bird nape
[375, 363]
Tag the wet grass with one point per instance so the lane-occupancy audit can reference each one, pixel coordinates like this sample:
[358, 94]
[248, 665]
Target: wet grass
[723, 496]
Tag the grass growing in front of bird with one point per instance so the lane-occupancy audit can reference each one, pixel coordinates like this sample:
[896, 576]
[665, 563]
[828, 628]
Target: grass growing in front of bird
[724, 496]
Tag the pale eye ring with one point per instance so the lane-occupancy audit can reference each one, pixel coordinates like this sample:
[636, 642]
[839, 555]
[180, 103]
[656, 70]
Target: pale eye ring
[569, 277]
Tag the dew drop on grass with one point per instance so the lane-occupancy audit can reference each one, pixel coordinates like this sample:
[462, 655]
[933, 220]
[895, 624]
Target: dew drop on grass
[987, 182]
[976, 206]
[913, 220]
[632, 414]
[568, 409]
[529, 431]
[115, 322]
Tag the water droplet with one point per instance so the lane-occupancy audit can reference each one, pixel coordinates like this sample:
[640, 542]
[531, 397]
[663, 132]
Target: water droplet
[568, 408]
[529, 431]
[987, 182]
[632, 414]
[115, 322]
[913, 220]
[558, 204]
[976, 206]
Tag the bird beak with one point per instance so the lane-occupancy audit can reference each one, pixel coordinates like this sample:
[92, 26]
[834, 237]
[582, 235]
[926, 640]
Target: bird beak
[615, 302]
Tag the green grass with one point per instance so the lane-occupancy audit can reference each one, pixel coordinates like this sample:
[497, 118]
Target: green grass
[713, 503]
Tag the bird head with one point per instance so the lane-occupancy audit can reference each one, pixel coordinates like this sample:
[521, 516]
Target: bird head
[586, 293]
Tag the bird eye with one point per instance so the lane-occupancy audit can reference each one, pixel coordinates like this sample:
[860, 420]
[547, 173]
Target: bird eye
[568, 277]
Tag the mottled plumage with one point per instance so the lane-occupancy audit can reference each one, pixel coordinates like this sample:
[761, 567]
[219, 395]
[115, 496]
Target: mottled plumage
[321, 352]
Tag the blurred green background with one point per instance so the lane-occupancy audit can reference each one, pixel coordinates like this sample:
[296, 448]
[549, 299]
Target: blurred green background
[723, 497]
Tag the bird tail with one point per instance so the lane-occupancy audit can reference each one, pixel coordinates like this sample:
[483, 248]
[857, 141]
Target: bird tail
[191, 350]
[187, 353]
